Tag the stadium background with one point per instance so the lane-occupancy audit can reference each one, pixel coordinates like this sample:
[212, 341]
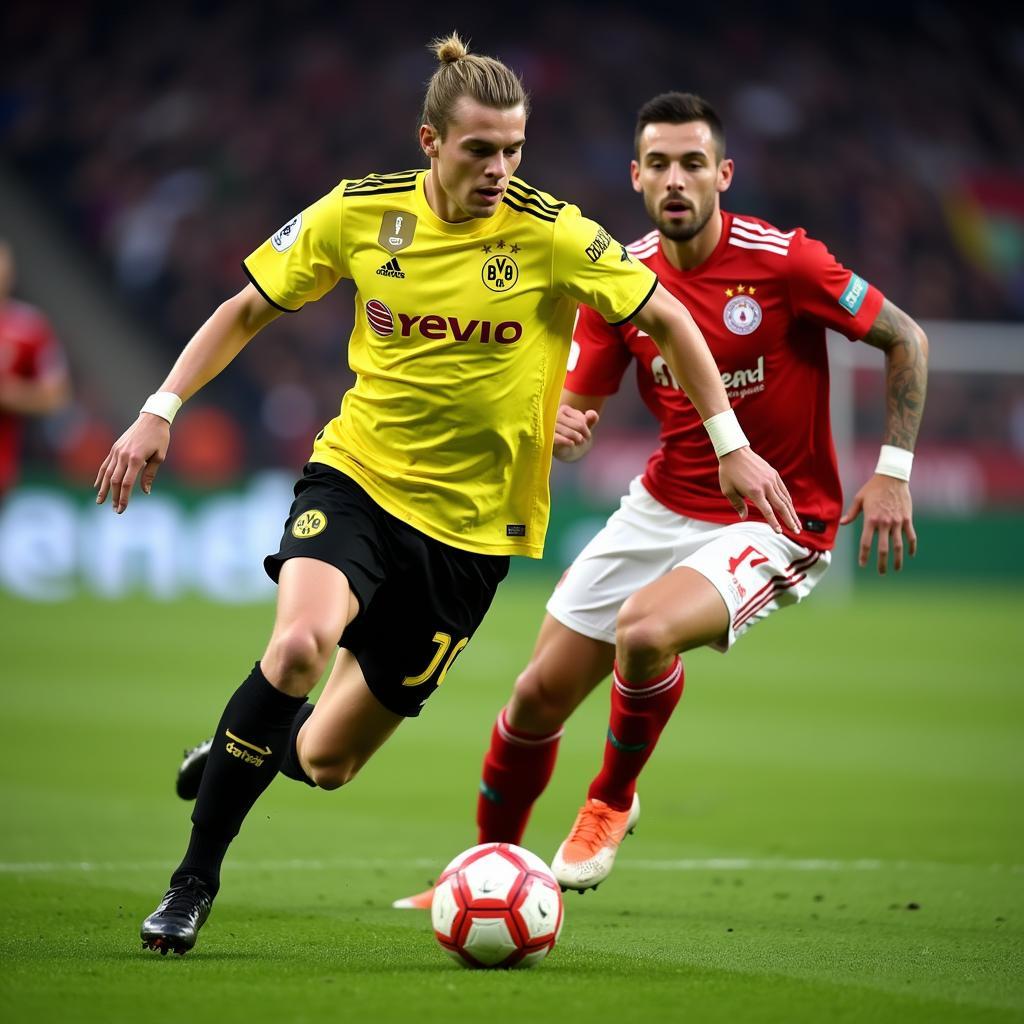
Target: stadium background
[145, 151]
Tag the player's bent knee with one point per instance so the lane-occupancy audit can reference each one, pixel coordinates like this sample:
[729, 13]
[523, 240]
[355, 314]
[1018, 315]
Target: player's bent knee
[642, 634]
[299, 650]
[333, 776]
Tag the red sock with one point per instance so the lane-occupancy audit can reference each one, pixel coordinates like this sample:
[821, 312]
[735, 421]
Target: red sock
[639, 713]
[517, 769]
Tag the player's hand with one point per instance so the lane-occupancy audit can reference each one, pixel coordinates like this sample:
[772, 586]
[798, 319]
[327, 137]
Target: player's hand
[573, 432]
[141, 448]
[888, 512]
[743, 474]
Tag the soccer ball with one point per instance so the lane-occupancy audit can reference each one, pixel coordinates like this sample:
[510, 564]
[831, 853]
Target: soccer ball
[497, 905]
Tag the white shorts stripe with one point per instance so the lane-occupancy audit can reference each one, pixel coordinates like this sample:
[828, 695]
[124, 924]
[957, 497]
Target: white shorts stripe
[789, 575]
[740, 620]
[755, 570]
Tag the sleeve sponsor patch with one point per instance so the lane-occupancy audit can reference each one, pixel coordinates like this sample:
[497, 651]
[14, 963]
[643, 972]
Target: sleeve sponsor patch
[285, 238]
[853, 294]
[598, 246]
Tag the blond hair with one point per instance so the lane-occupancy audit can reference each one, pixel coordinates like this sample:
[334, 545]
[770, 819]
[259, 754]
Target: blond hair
[462, 73]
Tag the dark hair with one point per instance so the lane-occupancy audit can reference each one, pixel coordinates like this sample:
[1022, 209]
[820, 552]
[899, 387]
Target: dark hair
[679, 108]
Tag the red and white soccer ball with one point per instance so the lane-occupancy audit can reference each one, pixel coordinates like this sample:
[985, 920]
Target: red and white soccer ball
[497, 905]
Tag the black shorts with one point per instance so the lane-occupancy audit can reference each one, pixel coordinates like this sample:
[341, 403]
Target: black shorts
[420, 601]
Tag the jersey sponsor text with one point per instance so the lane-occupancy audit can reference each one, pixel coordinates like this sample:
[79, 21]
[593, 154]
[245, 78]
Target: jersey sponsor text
[598, 246]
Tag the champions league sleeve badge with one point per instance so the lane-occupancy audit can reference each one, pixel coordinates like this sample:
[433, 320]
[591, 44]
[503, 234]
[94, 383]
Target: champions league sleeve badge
[285, 238]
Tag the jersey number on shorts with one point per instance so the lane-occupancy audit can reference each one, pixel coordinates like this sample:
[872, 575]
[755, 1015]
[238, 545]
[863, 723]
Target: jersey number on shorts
[443, 641]
[735, 563]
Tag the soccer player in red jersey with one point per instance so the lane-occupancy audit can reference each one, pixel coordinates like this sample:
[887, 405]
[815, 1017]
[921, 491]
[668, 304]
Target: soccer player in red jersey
[673, 569]
[33, 372]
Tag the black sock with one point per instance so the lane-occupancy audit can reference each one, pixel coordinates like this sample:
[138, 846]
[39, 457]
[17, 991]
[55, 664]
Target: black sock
[250, 743]
[291, 767]
[203, 858]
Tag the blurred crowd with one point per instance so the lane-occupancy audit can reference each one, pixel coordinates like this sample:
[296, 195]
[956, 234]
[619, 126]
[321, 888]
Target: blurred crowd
[174, 139]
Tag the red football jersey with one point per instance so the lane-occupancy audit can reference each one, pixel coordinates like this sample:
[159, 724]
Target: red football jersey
[762, 300]
[28, 349]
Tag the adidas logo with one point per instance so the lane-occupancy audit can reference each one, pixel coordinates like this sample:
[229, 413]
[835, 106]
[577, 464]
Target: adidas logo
[391, 269]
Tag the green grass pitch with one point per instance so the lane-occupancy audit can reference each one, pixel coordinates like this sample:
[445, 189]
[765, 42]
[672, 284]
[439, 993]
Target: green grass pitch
[831, 831]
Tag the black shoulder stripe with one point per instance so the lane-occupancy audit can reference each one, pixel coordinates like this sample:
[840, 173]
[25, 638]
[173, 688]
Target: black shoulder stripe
[370, 179]
[536, 197]
[525, 209]
[535, 203]
[532, 193]
[379, 191]
[259, 288]
[373, 181]
[373, 186]
[643, 302]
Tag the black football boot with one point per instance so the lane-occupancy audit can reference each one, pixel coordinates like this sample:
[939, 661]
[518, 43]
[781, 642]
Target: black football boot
[190, 774]
[173, 926]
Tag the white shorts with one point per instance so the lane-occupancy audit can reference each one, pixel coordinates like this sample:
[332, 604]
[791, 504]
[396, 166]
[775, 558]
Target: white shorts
[754, 569]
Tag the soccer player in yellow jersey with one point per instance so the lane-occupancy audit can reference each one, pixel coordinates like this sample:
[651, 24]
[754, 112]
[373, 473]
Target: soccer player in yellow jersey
[436, 468]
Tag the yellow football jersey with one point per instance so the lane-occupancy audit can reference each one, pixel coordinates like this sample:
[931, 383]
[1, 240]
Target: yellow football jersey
[459, 348]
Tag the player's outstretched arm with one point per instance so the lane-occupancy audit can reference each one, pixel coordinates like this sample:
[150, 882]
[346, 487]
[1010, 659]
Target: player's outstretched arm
[143, 446]
[742, 473]
[885, 498]
[577, 417]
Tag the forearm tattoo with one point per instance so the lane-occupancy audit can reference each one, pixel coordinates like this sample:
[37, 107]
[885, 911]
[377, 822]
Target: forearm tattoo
[906, 373]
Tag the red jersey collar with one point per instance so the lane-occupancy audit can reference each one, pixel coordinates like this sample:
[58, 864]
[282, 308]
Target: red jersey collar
[665, 269]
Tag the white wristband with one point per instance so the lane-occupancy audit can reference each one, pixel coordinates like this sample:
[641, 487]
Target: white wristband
[725, 432]
[164, 404]
[893, 461]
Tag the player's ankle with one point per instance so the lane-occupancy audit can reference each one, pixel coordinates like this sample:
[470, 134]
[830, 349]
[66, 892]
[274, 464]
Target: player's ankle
[616, 799]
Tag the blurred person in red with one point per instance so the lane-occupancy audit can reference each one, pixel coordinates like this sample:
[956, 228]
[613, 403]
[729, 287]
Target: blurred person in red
[33, 371]
[672, 570]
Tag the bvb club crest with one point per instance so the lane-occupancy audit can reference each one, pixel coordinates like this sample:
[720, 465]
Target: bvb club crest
[500, 273]
[309, 524]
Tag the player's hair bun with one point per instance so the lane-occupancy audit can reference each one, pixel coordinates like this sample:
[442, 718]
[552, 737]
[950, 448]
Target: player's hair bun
[450, 49]
[461, 73]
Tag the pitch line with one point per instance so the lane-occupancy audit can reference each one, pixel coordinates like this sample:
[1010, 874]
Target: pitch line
[725, 864]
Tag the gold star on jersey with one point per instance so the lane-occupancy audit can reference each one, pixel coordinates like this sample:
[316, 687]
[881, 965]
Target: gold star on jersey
[459, 346]
[742, 313]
